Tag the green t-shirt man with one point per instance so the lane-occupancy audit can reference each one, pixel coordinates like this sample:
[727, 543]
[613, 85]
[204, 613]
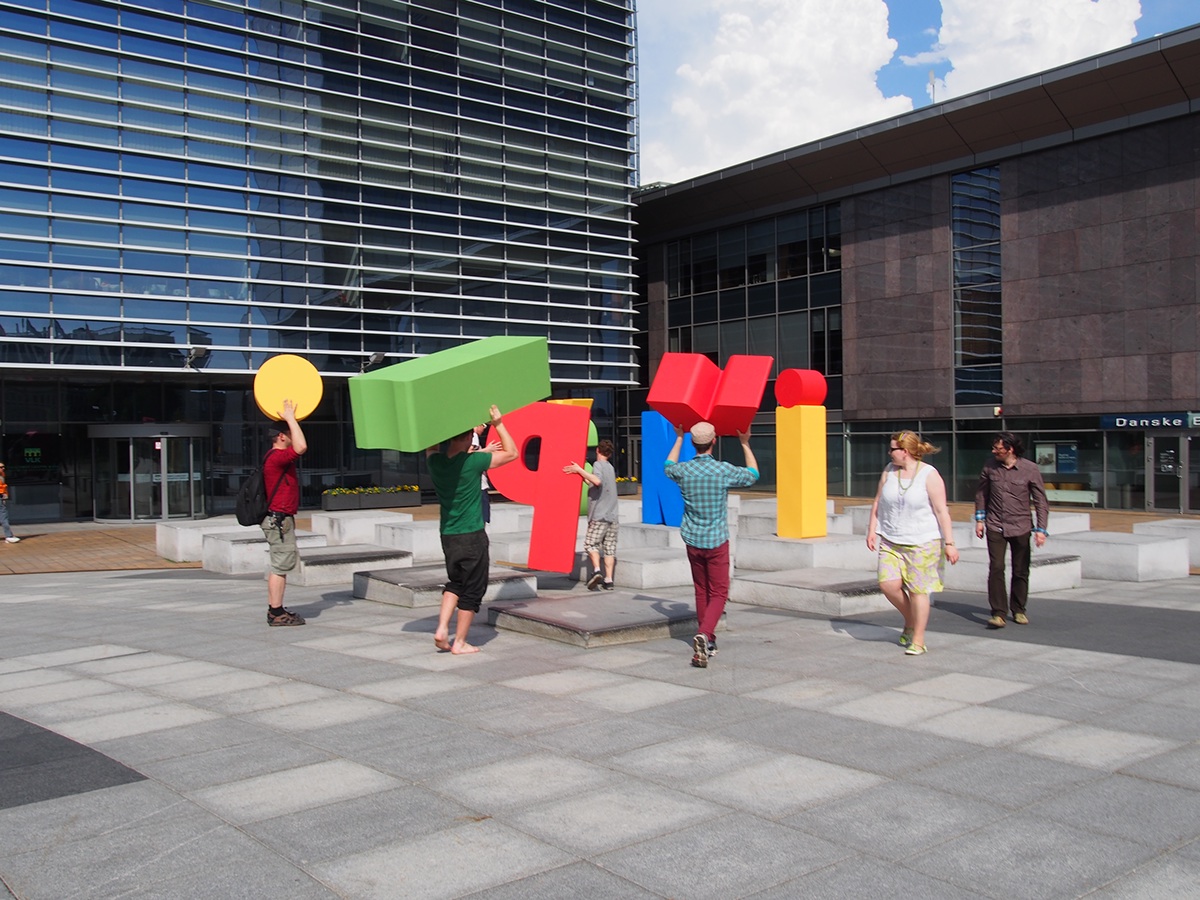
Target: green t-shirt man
[456, 480]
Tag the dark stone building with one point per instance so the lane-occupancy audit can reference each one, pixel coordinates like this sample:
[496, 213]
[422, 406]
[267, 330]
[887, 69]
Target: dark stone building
[1024, 257]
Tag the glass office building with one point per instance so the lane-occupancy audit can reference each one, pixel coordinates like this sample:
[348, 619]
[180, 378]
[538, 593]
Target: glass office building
[189, 187]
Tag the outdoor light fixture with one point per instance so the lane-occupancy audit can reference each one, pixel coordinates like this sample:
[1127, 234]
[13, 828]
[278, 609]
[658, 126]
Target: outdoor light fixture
[374, 359]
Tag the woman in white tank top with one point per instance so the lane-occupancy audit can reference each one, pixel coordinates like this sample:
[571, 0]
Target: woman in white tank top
[910, 527]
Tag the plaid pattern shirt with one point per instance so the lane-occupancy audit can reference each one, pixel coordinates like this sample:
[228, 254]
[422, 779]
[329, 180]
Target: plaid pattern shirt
[705, 484]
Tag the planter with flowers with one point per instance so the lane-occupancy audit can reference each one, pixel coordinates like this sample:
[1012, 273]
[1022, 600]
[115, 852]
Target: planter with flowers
[371, 497]
[627, 486]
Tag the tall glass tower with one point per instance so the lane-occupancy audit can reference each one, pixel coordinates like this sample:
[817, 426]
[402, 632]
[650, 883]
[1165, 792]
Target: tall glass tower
[196, 185]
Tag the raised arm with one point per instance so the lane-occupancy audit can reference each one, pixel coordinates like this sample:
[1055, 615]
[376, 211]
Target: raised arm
[677, 447]
[299, 442]
[744, 439]
[508, 447]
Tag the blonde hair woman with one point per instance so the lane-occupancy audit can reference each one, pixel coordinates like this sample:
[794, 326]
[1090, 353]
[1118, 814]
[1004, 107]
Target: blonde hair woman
[910, 527]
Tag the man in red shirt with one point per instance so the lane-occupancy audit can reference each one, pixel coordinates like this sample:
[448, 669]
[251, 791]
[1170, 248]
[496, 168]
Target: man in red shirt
[283, 488]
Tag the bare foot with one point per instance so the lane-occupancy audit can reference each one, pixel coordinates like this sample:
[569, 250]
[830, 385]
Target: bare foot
[464, 648]
[442, 643]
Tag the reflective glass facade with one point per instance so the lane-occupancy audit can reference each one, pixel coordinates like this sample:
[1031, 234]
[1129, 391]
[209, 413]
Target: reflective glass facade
[334, 179]
[769, 288]
[975, 233]
[188, 187]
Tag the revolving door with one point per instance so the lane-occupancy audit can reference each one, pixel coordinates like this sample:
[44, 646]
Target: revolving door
[144, 476]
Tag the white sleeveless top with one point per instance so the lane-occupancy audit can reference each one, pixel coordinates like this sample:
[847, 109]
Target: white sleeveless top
[905, 513]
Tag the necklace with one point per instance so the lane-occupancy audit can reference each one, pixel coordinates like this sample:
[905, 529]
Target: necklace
[900, 481]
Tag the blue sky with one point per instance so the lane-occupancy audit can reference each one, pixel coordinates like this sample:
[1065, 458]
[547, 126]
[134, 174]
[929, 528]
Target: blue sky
[725, 81]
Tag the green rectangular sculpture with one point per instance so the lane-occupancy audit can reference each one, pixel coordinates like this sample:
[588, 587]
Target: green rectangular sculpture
[424, 401]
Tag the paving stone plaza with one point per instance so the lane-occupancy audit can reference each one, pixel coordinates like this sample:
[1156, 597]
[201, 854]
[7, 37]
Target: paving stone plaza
[159, 740]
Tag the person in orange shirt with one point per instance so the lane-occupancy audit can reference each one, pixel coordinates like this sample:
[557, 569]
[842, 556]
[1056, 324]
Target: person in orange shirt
[9, 537]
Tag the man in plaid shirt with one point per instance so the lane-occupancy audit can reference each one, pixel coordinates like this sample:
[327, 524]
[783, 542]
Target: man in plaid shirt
[705, 482]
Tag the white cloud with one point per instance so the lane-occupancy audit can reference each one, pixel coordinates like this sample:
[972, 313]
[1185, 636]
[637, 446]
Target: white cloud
[771, 74]
[989, 42]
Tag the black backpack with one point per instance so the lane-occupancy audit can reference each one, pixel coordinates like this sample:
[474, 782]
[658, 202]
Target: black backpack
[253, 504]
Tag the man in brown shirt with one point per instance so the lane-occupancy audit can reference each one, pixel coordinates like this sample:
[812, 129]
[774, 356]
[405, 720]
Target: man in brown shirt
[1008, 486]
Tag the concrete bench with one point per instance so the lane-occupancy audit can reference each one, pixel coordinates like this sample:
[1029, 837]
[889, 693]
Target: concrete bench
[767, 553]
[1047, 572]
[1057, 495]
[830, 592]
[1127, 557]
[650, 568]
[1184, 528]
[184, 541]
[354, 526]
[245, 552]
[338, 565]
[422, 539]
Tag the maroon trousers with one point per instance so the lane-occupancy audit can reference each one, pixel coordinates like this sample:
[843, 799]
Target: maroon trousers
[710, 575]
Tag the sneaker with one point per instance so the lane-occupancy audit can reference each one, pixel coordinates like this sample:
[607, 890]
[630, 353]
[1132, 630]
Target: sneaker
[712, 649]
[287, 617]
[700, 651]
[1021, 618]
[593, 583]
[608, 586]
[915, 650]
[905, 638]
[996, 622]
[12, 540]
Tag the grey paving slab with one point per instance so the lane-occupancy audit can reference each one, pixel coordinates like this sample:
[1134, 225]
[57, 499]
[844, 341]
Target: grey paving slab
[581, 879]
[893, 820]
[165, 860]
[446, 864]
[812, 758]
[1049, 860]
[733, 856]
[864, 876]
[351, 827]
[1171, 875]
[1179, 767]
[421, 758]
[1132, 808]
[1008, 779]
[613, 816]
[516, 783]
[1148, 717]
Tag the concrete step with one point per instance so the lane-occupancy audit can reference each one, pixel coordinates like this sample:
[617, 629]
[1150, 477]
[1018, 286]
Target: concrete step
[337, 565]
[245, 552]
[1175, 528]
[422, 539]
[759, 524]
[1112, 556]
[184, 541]
[638, 536]
[596, 620]
[508, 517]
[825, 591]
[767, 553]
[510, 547]
[354, 526]
[652, 568]
[422, 585]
